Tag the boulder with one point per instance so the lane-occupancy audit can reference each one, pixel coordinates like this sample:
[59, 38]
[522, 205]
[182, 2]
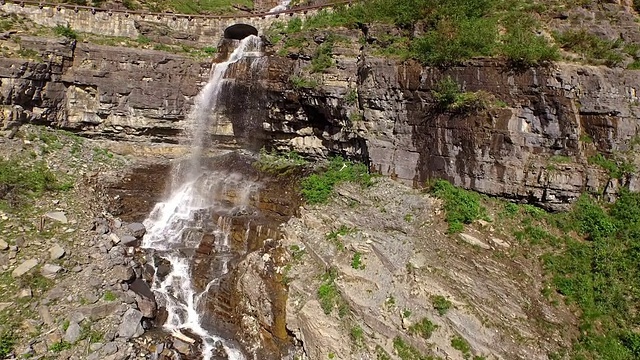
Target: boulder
[57, 216]
[124, 273]
[130, 241]
[56, 252]
[24, 267]
[130, 325]
[73, 333]
[3, 245]
[49, 270]
[137, 230]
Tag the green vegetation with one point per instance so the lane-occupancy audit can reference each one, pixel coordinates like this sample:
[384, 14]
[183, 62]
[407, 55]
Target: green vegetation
[460, 344]
[197, 7]
[454, 30]
[303, 83]
[448, 96]
[382, 354]
[615, 166]
[60, 346]
[19, 181]
[601, 274]
[328, 293]
[441, 304]
[279, 163]
[7, 341]
[357, 335]
[356, 261]
[352, 97]
[461, 206]
[317, 188]
[593, 49]
[86, 332]
[408, 352]
[322, 60]
[334, 236]
[424, 328]
[65, 31]
[109, 296]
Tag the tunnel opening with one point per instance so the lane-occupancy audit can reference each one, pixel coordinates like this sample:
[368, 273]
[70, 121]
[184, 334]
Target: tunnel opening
[239, 31]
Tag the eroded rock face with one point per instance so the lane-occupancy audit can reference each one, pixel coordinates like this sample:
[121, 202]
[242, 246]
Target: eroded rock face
[365, 107]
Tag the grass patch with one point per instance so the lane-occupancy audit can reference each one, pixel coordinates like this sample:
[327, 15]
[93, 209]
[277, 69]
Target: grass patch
[461, 206]
[328, 293]
[460, 344]
[334, 236]
[424, 328]
[303, 83]
[408, 352]
[60, 346]
[278, 163]
[65, 31]
[7, 342]
[322, 60]
[356, 261]
[614, 166]
[593, 49]
[357, 335]
[109, 296]
[441, 304]
[449, 97]
[454, 30]
[317, 188]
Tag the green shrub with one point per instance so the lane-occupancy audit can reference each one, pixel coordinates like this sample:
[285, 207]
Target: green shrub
[279, 163]
[109, 296]
[322, 60]
[7, 341]
[356, 261]
[60, 346]
[424, 328]
[303, 83]
[460, 344]
[35, 179]
[65, 31]
[448, 96]
[328, 293]
[408, 352]
[441, 304]
[593, 48]
[317, 188]
[357, 335]
[461, 206]
[523, 48]
[616, 168]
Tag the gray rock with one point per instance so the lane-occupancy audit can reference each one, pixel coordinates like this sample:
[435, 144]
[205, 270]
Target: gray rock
[130, 241]
[3, 245]
[124, 273]
[109, 349]
[45, 315]
[130, 325]
[24, 267]
[57, 216]
[115, 239]
[95, 347]
[474, 241]
[137, 230]
[77, 317]
[4, 305]
[49, 270]
[25, 293]
[99, 311]
[147, 306]
[73, 333]
[56, 252]
[181, 346]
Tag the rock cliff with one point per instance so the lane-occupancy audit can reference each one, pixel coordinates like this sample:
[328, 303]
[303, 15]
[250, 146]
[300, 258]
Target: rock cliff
[533, 146]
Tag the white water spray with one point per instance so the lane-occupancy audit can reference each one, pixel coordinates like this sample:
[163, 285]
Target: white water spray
[171, 221]
[282, 6]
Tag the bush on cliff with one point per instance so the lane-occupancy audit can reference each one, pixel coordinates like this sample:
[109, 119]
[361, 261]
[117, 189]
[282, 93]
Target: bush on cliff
[317, 188]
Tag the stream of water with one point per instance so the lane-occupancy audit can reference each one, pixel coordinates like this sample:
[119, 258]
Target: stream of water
[170, 225]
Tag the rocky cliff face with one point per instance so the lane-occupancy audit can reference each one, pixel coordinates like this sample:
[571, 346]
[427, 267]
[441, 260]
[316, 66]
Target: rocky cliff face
[534, 146]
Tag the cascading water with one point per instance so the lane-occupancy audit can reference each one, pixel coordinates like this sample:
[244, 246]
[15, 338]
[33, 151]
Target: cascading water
[282, 6]
[173, 225]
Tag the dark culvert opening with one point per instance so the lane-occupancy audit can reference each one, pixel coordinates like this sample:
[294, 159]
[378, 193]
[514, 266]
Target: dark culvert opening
[239, 31]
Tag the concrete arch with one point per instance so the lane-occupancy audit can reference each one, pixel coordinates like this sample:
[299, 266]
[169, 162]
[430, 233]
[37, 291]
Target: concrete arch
[239, 31]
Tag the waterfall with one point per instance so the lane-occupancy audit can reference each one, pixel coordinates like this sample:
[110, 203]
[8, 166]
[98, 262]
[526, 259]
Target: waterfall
[282, 6]
[176, 225]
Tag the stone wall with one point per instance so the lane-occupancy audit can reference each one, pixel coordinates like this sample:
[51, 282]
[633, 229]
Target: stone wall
[203, 30]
